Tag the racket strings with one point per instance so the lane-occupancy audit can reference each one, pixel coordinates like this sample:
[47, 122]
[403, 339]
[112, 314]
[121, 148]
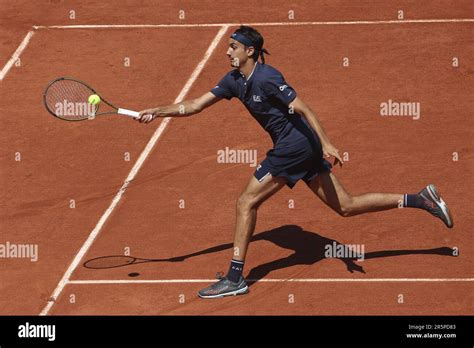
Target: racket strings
[68, 99]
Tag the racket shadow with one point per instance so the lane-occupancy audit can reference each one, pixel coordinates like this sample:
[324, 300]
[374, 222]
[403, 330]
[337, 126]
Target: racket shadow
[116, 261]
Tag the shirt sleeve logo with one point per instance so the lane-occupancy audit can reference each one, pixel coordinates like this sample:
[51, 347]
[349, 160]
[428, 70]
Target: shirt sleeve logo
[257, 98]
[282, 88]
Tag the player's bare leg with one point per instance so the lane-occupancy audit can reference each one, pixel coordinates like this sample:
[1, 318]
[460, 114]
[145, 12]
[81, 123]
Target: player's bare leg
[250, 199]
[328, 188]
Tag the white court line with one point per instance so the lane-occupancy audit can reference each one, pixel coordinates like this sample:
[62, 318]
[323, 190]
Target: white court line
[265, 280]
[138, 164]
[176, 25]
[16, 55]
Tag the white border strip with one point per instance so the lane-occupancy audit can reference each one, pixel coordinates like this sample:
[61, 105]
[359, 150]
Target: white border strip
[264, 280]
[16, 55]
[175, 25]
[138, 164]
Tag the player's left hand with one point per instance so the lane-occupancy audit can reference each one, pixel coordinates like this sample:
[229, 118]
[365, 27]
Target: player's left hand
[330, 150]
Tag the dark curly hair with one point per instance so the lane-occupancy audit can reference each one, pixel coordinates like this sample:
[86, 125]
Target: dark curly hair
[257, 39]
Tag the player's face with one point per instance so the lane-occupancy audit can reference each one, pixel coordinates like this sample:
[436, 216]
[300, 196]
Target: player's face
[237, 53]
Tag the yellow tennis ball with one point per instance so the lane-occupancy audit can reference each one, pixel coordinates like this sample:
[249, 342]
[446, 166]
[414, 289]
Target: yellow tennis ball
[94, 99]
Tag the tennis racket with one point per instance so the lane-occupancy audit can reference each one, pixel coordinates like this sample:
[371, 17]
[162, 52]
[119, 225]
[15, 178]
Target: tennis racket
[67, 99]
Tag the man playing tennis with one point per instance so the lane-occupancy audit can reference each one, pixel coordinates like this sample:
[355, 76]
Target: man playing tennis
[300, 146]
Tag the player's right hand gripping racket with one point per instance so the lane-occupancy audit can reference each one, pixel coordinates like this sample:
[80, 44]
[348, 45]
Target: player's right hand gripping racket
[67, 99]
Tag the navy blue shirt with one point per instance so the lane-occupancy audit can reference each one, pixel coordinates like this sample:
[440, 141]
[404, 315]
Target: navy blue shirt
[266, 95]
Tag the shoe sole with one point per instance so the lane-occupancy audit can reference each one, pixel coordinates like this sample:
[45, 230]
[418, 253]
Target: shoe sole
[231, 293]
[433, 192]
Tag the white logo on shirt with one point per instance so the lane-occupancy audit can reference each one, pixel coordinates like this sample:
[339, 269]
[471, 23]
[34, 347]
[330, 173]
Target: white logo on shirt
[216, 87]
[282, 88]
[257, 98]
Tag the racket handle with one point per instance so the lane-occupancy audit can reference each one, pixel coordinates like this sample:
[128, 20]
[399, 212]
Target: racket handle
[130, 113]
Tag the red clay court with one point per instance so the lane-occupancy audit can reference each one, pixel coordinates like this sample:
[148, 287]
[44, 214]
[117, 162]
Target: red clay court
[112, 186]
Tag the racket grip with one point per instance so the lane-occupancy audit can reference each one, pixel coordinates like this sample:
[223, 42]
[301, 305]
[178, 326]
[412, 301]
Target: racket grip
[130, 113]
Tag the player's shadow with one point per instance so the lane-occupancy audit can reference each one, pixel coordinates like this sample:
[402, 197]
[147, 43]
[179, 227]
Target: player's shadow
[308, 248]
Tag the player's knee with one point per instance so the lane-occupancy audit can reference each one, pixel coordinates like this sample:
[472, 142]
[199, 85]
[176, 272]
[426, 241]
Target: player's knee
[245, 203]
[346, 208]
[344, 212]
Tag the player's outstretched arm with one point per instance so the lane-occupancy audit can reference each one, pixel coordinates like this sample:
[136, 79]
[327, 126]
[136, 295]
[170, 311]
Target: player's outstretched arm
[185, 108]
[301, 108]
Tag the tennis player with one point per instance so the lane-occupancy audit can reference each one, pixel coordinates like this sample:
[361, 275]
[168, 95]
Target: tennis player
[300, 148]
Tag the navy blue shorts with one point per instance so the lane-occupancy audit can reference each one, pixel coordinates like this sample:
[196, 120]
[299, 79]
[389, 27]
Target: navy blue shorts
[300, 161]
